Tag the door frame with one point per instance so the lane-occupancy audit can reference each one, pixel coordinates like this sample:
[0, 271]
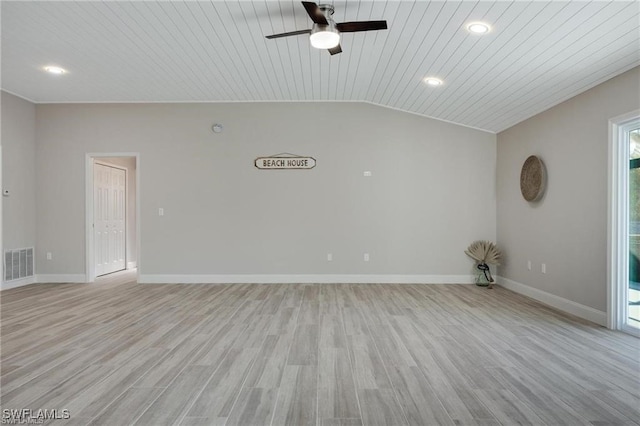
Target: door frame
[90, 159]
[618, 221]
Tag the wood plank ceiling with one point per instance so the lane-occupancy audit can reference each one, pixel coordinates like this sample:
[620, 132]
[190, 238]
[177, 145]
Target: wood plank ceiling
[538, 54]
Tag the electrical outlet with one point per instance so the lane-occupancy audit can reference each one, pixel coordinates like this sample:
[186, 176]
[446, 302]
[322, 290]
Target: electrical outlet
[49, 256]
[366, 257]
[160, 211]
[329, 257]
[543, 268]
[528, 265]
[366, 173]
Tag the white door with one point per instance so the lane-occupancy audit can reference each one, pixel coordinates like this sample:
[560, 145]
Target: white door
[109, 186]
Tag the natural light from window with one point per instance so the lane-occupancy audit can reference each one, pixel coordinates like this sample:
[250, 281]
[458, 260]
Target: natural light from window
[634, 228]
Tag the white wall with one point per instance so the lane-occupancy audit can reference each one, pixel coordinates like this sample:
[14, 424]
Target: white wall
[431, 193]
[18, 172]
[567, 229]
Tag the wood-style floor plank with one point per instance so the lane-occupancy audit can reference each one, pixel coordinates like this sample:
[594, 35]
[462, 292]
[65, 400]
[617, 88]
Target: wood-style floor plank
[118, 353]
[126, 407]
[297, 397]
[337, 394]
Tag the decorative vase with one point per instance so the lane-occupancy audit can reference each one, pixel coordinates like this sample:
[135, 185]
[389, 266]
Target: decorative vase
[484, 253]
[483, 277]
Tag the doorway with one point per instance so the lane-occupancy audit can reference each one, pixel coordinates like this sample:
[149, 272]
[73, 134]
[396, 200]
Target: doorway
[109, 217]
[112, 212]
[624, 224]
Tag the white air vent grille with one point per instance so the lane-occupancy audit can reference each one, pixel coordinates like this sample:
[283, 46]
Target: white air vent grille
[18, 264]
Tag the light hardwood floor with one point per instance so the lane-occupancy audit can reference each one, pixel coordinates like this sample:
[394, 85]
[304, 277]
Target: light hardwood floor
[117, 352]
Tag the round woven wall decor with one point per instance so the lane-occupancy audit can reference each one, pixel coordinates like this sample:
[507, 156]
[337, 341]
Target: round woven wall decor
[532, 179]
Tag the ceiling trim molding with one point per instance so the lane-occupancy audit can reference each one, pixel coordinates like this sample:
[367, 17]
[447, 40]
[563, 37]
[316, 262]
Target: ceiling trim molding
[18, 96]
[428, 116]
[284, 101]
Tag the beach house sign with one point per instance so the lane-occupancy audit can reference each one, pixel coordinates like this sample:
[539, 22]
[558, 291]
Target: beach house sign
[285, 161]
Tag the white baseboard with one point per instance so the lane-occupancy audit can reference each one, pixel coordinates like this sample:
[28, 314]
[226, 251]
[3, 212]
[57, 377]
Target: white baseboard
[45, 278]
[305, 279]
[565, 305]
[18, 283]
[132, 265]
[61, 278]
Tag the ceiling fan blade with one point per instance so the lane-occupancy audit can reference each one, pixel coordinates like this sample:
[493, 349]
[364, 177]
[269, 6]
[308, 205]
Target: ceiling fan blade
[292, 33]
[335, 50]
[315, 13]
[351, 27]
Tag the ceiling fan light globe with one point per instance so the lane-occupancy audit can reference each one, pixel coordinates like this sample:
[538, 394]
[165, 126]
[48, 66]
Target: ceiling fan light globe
[324, 36]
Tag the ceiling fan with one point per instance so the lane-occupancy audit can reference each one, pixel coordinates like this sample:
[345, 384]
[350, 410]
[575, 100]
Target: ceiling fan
[325, 33]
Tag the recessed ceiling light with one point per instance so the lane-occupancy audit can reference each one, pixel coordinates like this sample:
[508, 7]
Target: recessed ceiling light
[54, 70]
[432, 81]
[478, 28]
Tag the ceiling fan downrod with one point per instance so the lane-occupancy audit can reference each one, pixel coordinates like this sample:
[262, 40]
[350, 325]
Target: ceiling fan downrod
[327, 10]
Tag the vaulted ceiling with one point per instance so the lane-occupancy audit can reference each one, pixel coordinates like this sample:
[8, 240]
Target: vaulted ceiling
[537, 54]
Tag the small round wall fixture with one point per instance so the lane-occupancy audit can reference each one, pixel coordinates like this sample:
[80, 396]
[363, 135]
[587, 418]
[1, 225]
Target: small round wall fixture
[217, 128]
[533, 179]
